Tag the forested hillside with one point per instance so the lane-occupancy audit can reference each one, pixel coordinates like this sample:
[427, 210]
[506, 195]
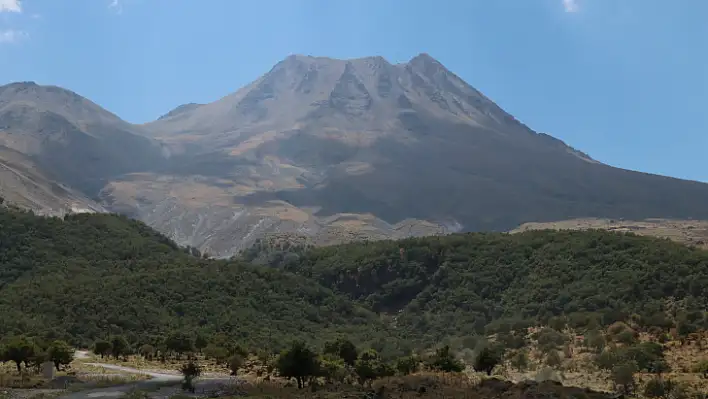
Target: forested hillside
[86, 277]
[461, 285]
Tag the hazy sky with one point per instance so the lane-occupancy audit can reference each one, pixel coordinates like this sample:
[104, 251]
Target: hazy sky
[624, 80]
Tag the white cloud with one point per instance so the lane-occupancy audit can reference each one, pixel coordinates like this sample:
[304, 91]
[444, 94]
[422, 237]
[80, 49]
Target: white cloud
[10, 6]
[571, 5]
[12, 36]
[115, 5]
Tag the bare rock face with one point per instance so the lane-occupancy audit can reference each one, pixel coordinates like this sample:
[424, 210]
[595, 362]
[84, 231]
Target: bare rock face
[332, 150]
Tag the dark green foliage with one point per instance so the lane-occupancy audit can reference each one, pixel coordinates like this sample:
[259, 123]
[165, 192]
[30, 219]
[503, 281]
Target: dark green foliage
[88, 277]
[623, 377]
[218, 353]
[444, 360]
[457, 285]
[19, 350]
[487, 358]
[520, 361]
[646, 356]
[119, 346]
[407, 365]
[235, 362]
[370, 366]
[179, 343]
[61, 354]
[190, 371]
[298, 362]
[147, 351]
[102, 348]
[342, 348]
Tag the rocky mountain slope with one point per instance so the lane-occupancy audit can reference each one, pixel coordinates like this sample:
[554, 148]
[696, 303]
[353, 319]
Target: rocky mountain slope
[332, 149]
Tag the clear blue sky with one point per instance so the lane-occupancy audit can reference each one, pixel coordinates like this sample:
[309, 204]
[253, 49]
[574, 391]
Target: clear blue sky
[624, 80]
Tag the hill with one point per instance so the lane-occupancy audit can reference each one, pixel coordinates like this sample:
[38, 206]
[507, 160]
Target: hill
[86, 276]
[89, 275]
[458, 286]
[333, 150]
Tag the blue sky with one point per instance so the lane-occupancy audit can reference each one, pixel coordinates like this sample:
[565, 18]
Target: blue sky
[624, 80]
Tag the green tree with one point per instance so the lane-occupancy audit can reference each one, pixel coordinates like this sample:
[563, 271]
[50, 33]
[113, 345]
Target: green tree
[344, 349]
[218, 353]
[553, 359]
[298, 362]
[200, 342]
[60, 353]
[235, 363]
[658, 388]
[119, 346]
[623, 377]
[190, 371]
[179, 343]
[444, 360]
[147, 351]
[20, 350]
[332, 368]
[407, 365]
[487, 358]
[520, 361]
[102, 348]
[369, 367]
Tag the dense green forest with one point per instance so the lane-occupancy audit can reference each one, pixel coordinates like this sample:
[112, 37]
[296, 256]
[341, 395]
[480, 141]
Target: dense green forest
[87, 277]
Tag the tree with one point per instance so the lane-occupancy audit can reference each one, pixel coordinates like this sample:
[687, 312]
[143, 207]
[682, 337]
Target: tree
[445, 361]
[147, 351]
[487, 359]
[659, 367]
[623, 377]
[407, 365]
[20, 350]
[702, 368]
[332, 368]
[235, 363]
[190, 371]
[119, 346]
[298, 362]
[520, 361]
[218, 353]
[344, 349]
[179, 343]
[658, 388]
[369, 367]
[102, 348]
[553, 359]
[200, 342]
[60, 353]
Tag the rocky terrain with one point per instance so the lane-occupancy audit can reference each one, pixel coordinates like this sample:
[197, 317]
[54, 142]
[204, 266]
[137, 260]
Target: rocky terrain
[332, 150]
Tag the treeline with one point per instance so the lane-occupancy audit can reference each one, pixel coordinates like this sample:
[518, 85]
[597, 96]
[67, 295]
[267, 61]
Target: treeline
[33, 352]
[338, 360]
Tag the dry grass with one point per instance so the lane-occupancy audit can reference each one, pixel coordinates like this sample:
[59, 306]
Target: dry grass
[689, 232]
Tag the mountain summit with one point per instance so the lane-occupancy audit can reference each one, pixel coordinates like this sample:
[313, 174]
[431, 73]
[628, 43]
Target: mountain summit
[333, 150]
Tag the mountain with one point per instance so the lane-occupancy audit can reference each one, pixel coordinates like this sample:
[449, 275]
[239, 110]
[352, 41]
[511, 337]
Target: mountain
[334, 150]
[71, 139]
